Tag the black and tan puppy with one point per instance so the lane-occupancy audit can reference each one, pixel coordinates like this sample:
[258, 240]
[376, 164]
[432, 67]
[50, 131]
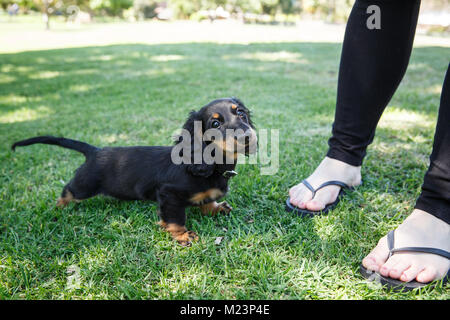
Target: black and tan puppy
[149, 172]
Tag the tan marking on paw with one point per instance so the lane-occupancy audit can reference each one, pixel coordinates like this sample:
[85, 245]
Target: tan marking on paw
[214, 208]
[179, 233]
[64, 201]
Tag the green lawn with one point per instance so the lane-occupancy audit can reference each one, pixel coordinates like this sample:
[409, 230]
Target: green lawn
[139, 94]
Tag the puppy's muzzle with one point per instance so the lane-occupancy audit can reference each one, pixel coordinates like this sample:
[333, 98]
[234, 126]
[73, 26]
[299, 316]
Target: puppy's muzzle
[247, 140]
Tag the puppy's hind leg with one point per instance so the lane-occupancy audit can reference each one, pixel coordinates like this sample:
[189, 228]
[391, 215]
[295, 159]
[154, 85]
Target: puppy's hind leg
[78, 189]
[65, 198]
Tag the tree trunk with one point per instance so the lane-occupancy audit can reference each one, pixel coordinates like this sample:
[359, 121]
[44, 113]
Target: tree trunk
[46, 18]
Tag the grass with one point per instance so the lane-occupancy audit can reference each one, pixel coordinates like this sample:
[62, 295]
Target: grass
[140, 94]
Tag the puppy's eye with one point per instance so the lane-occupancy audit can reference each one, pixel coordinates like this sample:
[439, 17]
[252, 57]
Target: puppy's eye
[215, 124]
[240, 113]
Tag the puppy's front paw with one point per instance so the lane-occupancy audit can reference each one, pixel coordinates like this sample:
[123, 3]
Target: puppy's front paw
[224, 207]
[186, 238]
[214, 208]
[183, 236]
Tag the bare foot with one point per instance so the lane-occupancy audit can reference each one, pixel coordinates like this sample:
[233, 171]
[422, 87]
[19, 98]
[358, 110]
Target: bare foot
[420, 229]
[329, 169]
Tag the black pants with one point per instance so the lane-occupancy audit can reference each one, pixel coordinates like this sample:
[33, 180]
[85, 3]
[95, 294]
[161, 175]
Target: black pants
[373, 62]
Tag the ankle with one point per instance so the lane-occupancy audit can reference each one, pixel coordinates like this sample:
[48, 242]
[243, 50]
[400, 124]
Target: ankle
[423, 221]
[343, 171]
[423, 229]
[339, 164]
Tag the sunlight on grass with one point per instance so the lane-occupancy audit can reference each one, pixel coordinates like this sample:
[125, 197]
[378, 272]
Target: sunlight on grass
[7, 68]
[312, 130]
[45, 75]
[23, 69]
[80, 88]
[95, 258]
[103, 57]
[402, 148]
[167, 57]
[12, 99]
[120, 224]
[25, 114]
[398, 119]
[436, 89]
[280, 56]
[112, 138]
[4, 78]
[423, 67]
[156, 72]
[324, 231]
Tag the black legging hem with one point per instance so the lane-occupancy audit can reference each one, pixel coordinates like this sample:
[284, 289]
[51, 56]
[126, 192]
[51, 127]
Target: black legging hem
[434, 206]
[337, 154]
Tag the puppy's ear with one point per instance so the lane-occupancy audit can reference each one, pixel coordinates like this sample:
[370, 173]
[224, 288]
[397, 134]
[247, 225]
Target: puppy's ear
[189, 125]
[197, 146]
[238, 101]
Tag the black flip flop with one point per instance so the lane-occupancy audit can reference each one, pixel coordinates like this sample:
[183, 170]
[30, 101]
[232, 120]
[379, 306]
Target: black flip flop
[308, 213]
[398, 285]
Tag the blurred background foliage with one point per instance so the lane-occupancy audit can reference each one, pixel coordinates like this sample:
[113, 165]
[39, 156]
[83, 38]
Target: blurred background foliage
[259, 11]
[184, 9]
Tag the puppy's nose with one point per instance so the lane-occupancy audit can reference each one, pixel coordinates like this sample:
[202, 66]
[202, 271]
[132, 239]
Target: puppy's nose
[247, 138]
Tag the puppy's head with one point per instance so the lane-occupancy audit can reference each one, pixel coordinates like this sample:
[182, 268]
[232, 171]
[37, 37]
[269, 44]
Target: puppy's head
[227, 124]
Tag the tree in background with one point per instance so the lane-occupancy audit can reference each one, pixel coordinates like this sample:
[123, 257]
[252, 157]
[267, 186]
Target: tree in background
[331, 10]
[51, 8]
[269, 7]
[25, 5]
[144, 9]
[289, 6]
[5, 3]
[186, 8]
[48, 8]
[110, 7]
[244, 5]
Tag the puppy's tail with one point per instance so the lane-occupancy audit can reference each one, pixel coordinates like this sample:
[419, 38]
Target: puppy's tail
[79, 146]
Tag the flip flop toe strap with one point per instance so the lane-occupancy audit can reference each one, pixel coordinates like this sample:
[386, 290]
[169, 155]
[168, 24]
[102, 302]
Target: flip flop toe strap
[333, 183]
[392, 250]
[323, 185]
[310, 187]
[439, 252]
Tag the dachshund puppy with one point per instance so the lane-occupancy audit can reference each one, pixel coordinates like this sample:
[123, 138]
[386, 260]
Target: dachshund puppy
[150, 172]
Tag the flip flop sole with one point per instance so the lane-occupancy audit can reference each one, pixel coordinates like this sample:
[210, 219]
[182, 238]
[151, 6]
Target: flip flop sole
[397, 285]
